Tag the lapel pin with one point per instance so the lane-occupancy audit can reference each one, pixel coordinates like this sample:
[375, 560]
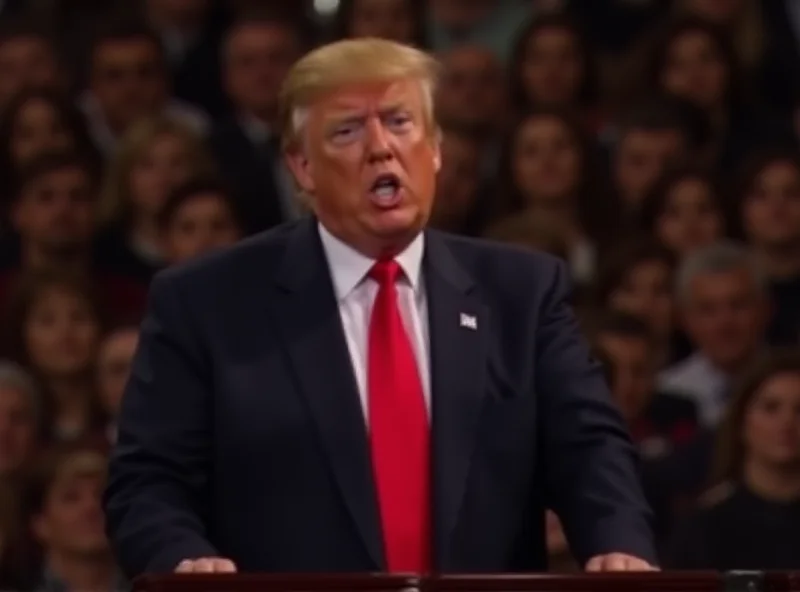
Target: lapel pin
[468, 321]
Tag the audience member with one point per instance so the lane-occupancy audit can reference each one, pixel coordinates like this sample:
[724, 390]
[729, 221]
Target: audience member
[22, 423]
[398, 20]
[114, 357]
[27, 59]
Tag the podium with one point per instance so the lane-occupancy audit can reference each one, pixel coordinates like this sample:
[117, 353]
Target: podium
[623, 582]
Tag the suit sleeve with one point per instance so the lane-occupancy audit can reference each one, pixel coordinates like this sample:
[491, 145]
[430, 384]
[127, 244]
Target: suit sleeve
[591, 466]
[157, 495]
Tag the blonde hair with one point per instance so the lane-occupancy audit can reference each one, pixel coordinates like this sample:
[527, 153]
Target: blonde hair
[115, 198]
[352, 61]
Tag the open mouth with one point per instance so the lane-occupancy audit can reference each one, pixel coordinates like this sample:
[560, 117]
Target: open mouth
[385, 191]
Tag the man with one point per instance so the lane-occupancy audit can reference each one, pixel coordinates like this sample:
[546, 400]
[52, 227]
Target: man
[257, 54]
[724, 308]
[344, 361]
[27, 59]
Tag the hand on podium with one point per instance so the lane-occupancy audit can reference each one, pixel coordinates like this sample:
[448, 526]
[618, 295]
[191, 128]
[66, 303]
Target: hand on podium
[618, 562]
[206, 565]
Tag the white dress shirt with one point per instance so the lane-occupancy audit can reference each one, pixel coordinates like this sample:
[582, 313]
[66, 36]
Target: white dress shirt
[355, 294]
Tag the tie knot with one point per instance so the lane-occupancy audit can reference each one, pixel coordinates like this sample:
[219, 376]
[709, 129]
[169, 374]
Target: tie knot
[385, 272]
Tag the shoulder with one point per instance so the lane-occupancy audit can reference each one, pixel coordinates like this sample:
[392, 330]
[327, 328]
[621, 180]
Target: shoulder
[490, 259]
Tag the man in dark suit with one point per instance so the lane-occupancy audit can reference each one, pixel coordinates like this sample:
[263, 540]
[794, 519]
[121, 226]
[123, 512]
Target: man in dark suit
[351, 392]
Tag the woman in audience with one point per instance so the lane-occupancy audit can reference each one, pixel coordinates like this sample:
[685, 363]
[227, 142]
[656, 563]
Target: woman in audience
[552, 67]
[751, 518]
[636, 278]
[694, 59]
[38, 121]
[547, 171]
[397, 20]
[769, 207]
[54, 329]
[684, 211]
[155, 157]
[114, 359]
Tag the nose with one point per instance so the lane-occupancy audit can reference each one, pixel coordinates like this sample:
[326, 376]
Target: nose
[378, 147]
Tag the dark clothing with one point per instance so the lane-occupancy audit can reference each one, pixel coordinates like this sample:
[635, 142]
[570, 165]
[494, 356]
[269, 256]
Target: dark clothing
[242, 433]
[741, 531]
[668, 422]
[784, 328]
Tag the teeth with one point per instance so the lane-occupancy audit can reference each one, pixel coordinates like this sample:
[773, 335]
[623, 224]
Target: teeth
[385, 191]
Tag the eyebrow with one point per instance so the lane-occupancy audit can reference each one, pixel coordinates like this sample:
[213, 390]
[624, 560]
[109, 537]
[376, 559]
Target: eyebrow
[345, 117]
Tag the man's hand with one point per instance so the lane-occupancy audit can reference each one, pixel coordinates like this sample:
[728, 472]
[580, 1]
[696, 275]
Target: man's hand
[618, 562]
[206, 565]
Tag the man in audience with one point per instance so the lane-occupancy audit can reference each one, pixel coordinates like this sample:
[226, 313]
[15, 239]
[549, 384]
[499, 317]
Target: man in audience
[650, 137]
[53, 213]
[460, 182]
[724, 305]
[27, 58]
[114, 359]
[67, 521]
[257, 53]
[658, 420]
[128, 80]
[472, 91]
[191, 37]
[20, 421]
[199, 217]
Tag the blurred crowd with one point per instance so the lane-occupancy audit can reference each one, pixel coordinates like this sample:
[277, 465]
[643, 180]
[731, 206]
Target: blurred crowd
[651, 144]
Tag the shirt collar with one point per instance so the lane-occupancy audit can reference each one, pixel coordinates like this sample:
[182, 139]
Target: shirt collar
[349, 267]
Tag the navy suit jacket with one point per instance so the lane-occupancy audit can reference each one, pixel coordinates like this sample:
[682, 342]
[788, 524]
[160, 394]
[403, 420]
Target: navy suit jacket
[242, 435]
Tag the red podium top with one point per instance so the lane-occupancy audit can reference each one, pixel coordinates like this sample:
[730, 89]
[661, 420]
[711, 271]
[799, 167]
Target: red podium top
[628, 582]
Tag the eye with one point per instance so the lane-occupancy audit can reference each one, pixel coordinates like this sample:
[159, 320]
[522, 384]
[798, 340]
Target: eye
[399, 120]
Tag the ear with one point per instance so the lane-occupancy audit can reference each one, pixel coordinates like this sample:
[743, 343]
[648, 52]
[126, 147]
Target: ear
[437, 152]
[301, 169]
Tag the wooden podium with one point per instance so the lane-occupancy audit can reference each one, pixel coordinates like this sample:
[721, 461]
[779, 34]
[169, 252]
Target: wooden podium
[637, 582]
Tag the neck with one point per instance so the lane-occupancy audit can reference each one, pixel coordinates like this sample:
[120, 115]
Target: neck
[780, 484]
[36, 257]
[780, 262]
[91, 573]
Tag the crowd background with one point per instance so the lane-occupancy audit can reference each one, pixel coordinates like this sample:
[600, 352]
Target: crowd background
[651, 144]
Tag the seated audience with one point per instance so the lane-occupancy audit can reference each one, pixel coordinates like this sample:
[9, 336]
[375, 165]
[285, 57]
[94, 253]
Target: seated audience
[22, 419]
[27, 59]
[751, 518]
[114, 358]
[398, 20]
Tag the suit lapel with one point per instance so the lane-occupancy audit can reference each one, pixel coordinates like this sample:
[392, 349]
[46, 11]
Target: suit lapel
[306, 310]
[459, 330]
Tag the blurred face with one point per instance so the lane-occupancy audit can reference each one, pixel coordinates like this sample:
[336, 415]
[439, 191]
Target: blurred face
[369, 163]
[388, 19]
[720, 11]
[128, 81]
[181, 10]
[546, 161]
[691, 219]
[25, 62]
[114, 366]
[458, 179]
[552, 68]
[61, 334]
[460, 14]
[725, 315]
[257, 59]
[164, 166]
[72, 520]
[200, 225]
[772, 422]
[646, 293]
[695, 70]
[17, 430]
[771, 211]
[642, 157]
[472, 90]
[56, 211]
[38, 128]
[634, 372]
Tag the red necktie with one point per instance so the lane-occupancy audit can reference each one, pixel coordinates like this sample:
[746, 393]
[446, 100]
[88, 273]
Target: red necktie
[399, 433]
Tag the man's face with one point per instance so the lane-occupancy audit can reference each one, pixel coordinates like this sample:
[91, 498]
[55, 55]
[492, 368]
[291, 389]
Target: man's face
[725, 315]
[128, 80]
[202, 224]
[642, 157]
[368, 160]
[257, 59]
[387, 19]
[72, 520]
[634, 371]
[18, 430]
[458, 179]
[26, 62]
[56, 211]
[472, 90]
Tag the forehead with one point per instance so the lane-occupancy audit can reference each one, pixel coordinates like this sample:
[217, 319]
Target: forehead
[360, 98]
[719, 283]
[135, 48]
